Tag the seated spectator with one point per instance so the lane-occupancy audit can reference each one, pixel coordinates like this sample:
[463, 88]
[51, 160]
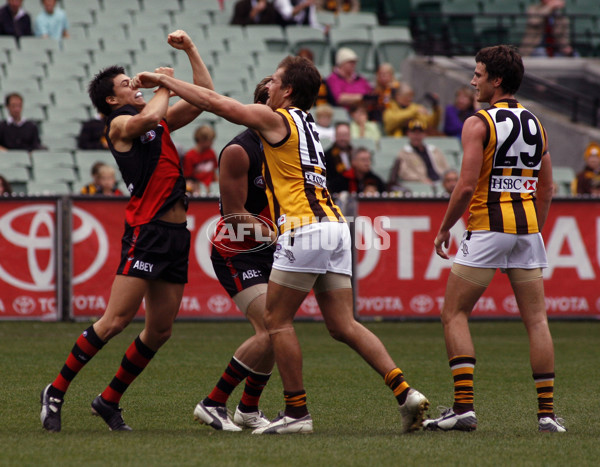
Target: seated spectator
[337, 157]
[449, 179]
[249, 12]
[16, 132]
[547, 31]
[464, 106]
[51, 22]
[324, 121]
[339, 6]
[360, 126]
[324, 96]
[200, 162]
[385, 84]
[14, 20]
[298, 12]
[358, 178]
[91, 135]
[103, 181]
[5, 188]
[586, 179]
[417, 161]
[403, 109]
[346, 86]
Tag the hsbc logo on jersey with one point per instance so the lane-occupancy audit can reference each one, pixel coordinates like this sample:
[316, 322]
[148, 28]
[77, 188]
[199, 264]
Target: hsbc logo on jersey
[513, 184]
[149, 136]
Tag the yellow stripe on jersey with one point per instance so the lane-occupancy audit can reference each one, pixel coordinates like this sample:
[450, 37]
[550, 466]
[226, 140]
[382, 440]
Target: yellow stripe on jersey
[295, 176]
[504, 198]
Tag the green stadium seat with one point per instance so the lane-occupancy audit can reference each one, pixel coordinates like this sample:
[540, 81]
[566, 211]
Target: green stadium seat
[392, 44]
[357, 19]
[311, 38]
[272, 36]
[35, 187]
[357, 39]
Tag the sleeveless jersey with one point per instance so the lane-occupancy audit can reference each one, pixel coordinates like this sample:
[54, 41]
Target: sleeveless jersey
[256, 200]
[151, 171]
[295, 175]
[504, 199]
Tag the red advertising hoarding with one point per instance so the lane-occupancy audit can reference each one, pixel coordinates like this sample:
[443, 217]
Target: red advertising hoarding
[398, 274]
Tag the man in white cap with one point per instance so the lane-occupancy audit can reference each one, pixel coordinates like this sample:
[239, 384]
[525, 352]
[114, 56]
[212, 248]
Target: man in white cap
[346, 86]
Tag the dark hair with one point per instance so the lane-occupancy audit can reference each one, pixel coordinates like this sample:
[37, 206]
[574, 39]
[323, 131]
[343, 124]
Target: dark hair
[11, 95]
[95, 169]
[102, 86]
[303, 77]
[261, 92]
[503, 61]
[6, 186]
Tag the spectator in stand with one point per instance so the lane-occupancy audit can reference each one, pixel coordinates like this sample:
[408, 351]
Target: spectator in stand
[200, 162]
[403, 109]
[14, 20]
[589, 177]
[16, 132]
[449, 179]
[417, 161]
[298, 12]
[324, 122]
[104, 181]
[338, 156]
[339, 6]
[360, 126]
[547, 31]
[381, 97]
[346, 86]
[92, 134]
[464, 106]
[324, 96]
[5, 188]
[249, 12]
[51, 22]
[358, 178]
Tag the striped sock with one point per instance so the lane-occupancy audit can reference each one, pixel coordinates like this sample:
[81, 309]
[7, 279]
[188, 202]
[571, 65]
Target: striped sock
[544, 384]
[87, 345]
[395, 380]
[295, 404]
[462, 367]
[255, 383]
[136, 358]
[233, 375]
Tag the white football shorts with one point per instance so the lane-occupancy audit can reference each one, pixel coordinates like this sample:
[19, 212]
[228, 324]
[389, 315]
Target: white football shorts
[486, 249]
[315, 248]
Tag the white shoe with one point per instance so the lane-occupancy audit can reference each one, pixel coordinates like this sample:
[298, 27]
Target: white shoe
[284, 424]
[551, 425]
[413, 411]
[217, 417]
[250, 419]
[451, 421]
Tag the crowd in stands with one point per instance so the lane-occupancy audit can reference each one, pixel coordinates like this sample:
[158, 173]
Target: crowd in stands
[353, 112]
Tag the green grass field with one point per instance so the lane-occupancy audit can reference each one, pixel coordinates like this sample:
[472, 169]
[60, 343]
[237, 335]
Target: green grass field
[355, 416]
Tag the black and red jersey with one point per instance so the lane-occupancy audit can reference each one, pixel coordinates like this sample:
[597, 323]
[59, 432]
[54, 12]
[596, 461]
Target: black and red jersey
[151, 170]
[256, 200]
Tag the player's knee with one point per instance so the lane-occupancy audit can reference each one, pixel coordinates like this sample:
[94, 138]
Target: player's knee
[342, 333]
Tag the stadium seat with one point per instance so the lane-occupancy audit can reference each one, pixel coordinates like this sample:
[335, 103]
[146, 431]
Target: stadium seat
[15, 174]
[310, 38]
[357, 20]
[450, 146]
[54, 174]
[86, 158]
[35, 187]
[418, 188]
[272, 36]
[15, 158]
[367, 143]
[563, 176]
[49, 159]
[392, 44]
[357, 39]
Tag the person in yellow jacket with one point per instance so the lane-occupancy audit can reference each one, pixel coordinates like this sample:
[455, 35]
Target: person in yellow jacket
[403, 109]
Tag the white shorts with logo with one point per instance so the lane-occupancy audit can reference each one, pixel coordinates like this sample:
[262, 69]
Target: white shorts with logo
[315, 248]
[486, 249]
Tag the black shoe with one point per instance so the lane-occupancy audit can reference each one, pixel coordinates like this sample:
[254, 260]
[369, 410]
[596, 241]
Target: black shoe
[111, 415]
[50, 413]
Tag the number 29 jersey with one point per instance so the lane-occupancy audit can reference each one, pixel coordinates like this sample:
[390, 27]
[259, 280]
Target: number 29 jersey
[504, 200]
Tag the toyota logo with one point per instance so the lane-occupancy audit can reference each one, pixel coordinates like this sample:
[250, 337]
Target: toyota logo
[30, 232]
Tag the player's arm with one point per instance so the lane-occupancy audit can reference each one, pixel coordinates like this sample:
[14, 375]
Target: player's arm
[233, 185]
[473, 135]
[256, 116]
[543, 192]
[181, 113]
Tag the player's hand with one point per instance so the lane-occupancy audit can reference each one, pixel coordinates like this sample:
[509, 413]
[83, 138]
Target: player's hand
[145, 79]
[180, 40]
[442, 240]
[165, 70]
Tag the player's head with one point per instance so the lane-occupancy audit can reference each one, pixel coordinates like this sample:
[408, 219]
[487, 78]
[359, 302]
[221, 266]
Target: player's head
[261, 92]
[296, 79]
[503, 61]
[106, 94]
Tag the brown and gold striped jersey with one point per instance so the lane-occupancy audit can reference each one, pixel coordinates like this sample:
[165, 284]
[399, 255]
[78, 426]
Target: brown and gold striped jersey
[294, 172]
[504, 200]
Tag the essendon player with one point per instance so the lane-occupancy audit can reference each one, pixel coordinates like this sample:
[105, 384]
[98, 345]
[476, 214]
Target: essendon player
[156, 242]
[242, 264]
